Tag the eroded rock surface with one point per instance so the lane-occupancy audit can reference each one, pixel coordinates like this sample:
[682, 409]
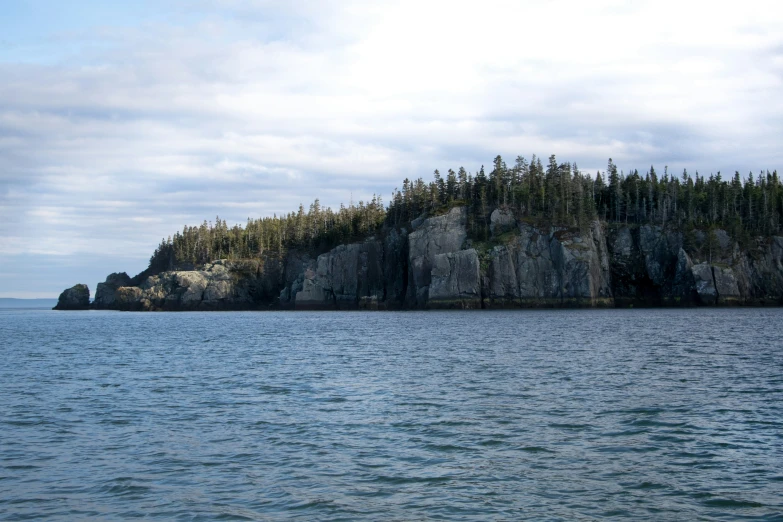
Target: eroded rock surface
[705, 283]
[435, 265]
[105, 293]
[651, 267]
[455, 280]
[501, 220]
[644, 265]
[344, 278]
[222, 285]
[75, 298]
[550, 268]
[436, 235]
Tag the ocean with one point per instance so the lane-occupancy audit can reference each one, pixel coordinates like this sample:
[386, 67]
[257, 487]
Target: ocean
[656, 414]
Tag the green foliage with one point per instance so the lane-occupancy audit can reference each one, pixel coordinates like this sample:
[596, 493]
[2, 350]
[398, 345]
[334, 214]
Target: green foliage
[316, 229]
[562, 195]
[558, 194]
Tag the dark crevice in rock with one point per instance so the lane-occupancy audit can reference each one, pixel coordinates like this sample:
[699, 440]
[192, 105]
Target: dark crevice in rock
[715, 283]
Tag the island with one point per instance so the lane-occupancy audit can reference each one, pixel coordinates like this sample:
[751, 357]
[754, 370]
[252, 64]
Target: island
[525, 236]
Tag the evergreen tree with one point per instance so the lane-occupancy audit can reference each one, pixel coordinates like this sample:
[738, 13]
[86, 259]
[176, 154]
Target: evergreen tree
[559, 195]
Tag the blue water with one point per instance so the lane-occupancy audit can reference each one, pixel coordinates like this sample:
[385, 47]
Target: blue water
[557, 415]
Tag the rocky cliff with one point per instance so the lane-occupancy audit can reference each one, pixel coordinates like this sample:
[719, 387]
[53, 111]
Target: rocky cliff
[222, 285]
[550, 268]
[433, 263]
[431, 238]
[347, 277]
[654, 267]
[75, 298]
[105, 293]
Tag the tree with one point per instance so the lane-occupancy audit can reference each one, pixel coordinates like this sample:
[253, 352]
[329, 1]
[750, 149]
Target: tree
[452, 186]
[615, 190]
[712, 242]
[559, 194]
[440, 189]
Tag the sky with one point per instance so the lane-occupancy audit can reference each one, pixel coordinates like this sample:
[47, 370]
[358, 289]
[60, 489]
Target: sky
[121, 122]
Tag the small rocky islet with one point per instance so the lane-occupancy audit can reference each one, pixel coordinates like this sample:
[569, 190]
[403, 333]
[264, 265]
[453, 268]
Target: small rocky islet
[432, 263]
[75, 298]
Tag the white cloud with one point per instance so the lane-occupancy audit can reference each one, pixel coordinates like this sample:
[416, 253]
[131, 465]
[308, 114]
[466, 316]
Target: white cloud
[249, 108]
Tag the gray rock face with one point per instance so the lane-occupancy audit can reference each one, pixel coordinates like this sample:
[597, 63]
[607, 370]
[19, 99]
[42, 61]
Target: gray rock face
[343, 277]
[705, 283]
[188, 290]
[504, 289]
[501, 220]
[313, 296]
[716, 285]
[370, 275]
[430, 267]
[726, 285]
[128, 298]
[716, 246]
[557, 268]
[684, 284]
[436, 235]
[296, 267]
[653, 268]
[644, 264]
[222, 285]
[660, 252]
[760, 277]
[724, 240]
[395, 268]
[776, 251]
[455, 280]
[180, 290]
[75, 298]
[105, 293]
[623, 245]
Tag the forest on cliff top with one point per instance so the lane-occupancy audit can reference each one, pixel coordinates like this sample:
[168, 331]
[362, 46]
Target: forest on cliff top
[556, 194]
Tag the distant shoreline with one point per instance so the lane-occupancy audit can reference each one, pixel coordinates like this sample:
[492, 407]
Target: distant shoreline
[14, 302]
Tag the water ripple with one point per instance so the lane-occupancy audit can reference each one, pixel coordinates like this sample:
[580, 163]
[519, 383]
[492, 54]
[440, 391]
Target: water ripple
[557, 415]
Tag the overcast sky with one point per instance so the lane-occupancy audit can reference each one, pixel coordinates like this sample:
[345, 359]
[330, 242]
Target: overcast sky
[119, 125]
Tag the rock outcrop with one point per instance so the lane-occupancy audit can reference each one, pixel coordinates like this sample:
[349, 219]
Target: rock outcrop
[75, 298]
[550, 268]
[432, 263]
[344, 278]
[437, 235]
[501, 220]
[455, 280]
[391, 273]
[368, 275]
[395, 269]
[762, 275]
[222, 285]
[643, 264]
[684, 287]
[705, 283]
[650, 267]
[105, 293]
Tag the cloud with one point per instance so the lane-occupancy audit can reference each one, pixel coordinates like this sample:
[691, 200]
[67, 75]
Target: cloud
[245, 109]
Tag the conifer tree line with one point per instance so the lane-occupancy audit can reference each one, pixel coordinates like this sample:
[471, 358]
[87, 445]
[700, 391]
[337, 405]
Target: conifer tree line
[555, 194]
[316, 229]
